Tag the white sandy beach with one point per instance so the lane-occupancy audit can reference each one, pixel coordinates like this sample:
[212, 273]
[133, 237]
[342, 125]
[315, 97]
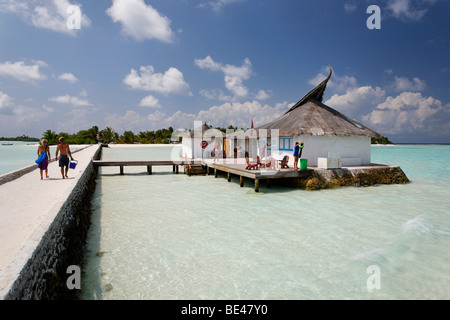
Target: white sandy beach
[29, 206]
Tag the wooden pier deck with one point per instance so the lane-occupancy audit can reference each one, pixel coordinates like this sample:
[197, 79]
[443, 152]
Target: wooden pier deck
[256, 175]
[318, 178]
[138, 163]
[230, 169]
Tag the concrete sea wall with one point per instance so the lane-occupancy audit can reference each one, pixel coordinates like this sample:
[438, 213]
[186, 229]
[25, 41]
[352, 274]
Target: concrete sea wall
[44, 275]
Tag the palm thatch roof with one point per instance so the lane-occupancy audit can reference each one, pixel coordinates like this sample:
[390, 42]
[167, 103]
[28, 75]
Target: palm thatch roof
[205, 127]
[309, 116]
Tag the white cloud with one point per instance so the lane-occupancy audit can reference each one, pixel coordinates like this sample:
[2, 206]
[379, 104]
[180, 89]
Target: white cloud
[171, 81]
[140, 21]
[5, 104]
[356, 100]
[240, 114]
[74, 101]
[150, 101]
[20, 71]
[17, 119]
[236, 114]
[350, 6]
[336, 82]
[409, 112]
[215, 94]
[404, 84]
[51, 15]
[233, 75]
[5, 100]
[217, 5]
[68, 77]
[405, 10]
[262, 95]
[47, 108]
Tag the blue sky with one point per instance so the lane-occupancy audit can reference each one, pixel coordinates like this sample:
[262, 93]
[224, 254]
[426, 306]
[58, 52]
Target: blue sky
[143, 65]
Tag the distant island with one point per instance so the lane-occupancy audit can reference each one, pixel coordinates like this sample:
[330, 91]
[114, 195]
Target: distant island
[109, 135]
[94, 135]
[383, 140]
[23, 138]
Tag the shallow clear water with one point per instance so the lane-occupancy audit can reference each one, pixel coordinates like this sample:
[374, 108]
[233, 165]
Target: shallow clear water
[21, 154]
[168, 236]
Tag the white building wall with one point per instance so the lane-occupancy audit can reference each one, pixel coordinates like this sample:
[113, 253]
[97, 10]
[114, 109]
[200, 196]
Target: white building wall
[319, 146]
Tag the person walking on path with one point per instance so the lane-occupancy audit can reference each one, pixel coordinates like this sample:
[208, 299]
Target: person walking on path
[43, 166]
[64, 149]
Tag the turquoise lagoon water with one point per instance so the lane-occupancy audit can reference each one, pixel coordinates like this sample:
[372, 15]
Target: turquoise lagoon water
[168, 236]
[15, 155]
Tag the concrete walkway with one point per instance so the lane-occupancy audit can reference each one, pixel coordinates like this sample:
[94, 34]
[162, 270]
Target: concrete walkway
[28, 207]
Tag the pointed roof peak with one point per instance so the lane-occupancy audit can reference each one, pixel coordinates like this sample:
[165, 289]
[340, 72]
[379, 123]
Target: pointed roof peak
[315, 94]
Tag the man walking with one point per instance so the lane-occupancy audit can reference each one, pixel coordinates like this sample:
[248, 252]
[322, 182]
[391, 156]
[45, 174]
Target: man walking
[64, 149]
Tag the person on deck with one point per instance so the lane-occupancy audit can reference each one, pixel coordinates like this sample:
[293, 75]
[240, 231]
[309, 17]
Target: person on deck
[63, 147]
[297, 154]
[217, 151]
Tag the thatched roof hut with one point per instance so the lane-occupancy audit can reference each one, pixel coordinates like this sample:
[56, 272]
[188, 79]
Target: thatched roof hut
[324, 131]
[204, 129]
[309, 116]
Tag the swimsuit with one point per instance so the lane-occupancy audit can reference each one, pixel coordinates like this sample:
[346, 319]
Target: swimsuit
[63, 160]
[44, 164]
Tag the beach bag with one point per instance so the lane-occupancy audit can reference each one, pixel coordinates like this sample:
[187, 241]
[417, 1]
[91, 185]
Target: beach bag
[41, 158]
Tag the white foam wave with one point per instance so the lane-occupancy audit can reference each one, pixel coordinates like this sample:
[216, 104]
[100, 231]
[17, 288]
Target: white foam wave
[415, 224]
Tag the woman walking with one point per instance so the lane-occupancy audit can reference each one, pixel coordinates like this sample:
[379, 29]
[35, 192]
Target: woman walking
[43, 166]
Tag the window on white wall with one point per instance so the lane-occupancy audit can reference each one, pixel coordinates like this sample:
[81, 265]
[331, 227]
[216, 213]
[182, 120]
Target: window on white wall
[286, 144]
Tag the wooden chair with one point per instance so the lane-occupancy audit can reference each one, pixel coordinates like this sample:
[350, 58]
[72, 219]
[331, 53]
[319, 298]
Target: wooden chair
[284, 162]
[251, 166]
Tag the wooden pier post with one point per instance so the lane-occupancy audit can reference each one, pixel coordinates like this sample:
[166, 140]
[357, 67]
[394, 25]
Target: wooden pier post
[121, 169]
[229, 177]
[176, 169]
[207, 170]
[215, 173]
[149, 169]
[241, 181]
[256, 185]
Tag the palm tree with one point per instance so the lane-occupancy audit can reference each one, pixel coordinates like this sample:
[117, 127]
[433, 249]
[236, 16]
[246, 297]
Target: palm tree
[128, 137]
[50, 136]
[107, 134]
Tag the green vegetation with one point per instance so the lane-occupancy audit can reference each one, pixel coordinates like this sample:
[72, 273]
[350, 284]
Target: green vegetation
[383, 140]
[109, 135]
[23, 138]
